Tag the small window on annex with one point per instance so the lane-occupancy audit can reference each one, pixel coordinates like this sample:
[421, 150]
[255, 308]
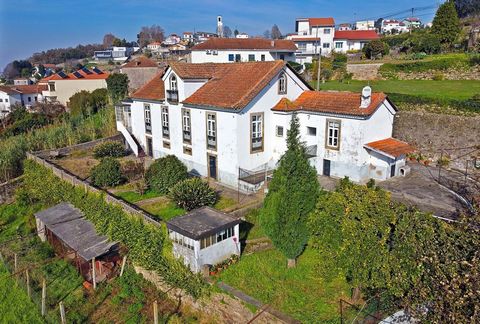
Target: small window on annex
[279, 131]
[312, 131]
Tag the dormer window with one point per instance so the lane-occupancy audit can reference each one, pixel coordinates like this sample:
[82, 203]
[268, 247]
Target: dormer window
[282, 84]
[172, 93]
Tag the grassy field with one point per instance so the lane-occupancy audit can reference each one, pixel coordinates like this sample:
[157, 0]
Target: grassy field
[444, 90]
[300, 292]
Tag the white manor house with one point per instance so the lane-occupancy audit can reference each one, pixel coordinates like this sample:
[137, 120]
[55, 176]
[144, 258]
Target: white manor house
[229, 121]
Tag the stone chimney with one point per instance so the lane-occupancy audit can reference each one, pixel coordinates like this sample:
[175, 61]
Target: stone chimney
[366, 97]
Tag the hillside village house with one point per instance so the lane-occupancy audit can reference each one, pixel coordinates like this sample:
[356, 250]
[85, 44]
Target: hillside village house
[24, 95]
[154, 46]
[140, 71]
[312, 36]
[61, 86]
[393, 26]
[229, 121]
[353, 40]
[365, 25]
[224, 50]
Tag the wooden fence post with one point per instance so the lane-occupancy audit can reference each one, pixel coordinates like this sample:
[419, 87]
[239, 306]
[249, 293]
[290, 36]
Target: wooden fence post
[155, 312]
[28, 283]
[62, 313]
[15, 263]
[123, 265]
[44, 296]
[93, 274]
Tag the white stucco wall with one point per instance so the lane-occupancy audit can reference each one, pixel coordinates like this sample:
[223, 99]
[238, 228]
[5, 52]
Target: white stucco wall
[64, 89]
[222, 56]
[6, 100]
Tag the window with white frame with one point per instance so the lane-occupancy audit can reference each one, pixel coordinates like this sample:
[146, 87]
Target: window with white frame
[173, 83]
[339, 45]
[282, 84]
[327, 31]
[211, 131]
[148, 118]
[217, 238]
[165, 122]
[326, 45]
[186, 126]
[302, 47]
[333, 134]
[182, 240]
[256, 131]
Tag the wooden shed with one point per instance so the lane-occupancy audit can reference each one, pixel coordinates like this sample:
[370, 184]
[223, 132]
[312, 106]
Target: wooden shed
[74, 238]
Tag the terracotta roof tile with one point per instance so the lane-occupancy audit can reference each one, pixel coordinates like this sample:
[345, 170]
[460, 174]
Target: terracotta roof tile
[246, 43]
[332, 102]
[152, 90]
[390, 147]
[356, 34]
[85, 76]
[31, 88]
[328, 21]
[140, 62]
[8, 90]
[230, 85]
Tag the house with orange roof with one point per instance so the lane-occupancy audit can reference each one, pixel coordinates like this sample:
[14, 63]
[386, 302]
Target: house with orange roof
[229, 122]
[61, 86]
[353, 40]
[313, 36]
[139, 71]
[23, 95]
[228, 50]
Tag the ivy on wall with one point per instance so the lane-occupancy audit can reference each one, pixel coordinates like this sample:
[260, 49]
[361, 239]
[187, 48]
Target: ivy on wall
[148, 244]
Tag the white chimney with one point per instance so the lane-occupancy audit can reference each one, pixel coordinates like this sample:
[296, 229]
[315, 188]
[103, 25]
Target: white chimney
[366, 97]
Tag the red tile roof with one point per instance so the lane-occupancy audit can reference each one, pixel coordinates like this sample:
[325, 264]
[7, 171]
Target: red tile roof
[152, 90]
[31, 88]
[140, 62]
[328, 21]
[246, 43]
[331, 102]
[230, 85]
[8, 90]
[390, 147]
[356, 34]
[306, 39]
[85, 76]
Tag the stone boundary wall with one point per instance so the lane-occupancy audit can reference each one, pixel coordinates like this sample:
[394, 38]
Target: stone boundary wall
[76, 181]
[81, 146]
[364, 71]
[7, 190]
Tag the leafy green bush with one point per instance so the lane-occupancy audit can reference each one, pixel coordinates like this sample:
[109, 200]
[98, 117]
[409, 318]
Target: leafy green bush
[441, 64]
[109, 149]
[164, 173]
[193, 193]
[438, 76]
[375, 49]
[107, 173]
[474, 60]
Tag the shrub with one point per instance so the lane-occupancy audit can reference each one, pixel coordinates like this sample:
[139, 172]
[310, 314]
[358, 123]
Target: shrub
[375, 49]
[438, 76]
[109, 149]
[107, 173]
[193, 193]
[474, 60]
[164, 173]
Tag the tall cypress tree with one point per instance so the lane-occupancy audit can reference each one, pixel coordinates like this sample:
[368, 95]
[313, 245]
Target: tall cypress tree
[446, 24]
[292, 195]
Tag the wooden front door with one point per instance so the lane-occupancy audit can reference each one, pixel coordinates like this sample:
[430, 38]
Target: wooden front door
[326, 167]
[212, 166]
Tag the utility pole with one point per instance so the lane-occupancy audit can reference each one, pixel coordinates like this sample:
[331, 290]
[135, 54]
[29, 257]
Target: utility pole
[411, 26]
[44, 296]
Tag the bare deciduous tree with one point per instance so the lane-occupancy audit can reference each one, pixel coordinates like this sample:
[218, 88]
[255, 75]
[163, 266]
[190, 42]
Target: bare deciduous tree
[276, 34]
[147, 34]
[108, 40]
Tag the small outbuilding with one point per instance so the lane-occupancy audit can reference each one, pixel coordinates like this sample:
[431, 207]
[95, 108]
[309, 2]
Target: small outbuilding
[204, 236]
[74, 237]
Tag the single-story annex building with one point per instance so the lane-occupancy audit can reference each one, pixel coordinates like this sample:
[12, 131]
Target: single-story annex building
[204, 236]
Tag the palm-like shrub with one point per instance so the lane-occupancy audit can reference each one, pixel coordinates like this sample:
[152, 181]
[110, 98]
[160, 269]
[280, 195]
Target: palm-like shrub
[107, 173]
[193, 193]
[164, 173]
[109, 149]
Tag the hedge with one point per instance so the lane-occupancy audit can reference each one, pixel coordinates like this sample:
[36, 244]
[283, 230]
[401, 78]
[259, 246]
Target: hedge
[425, 65]
[471, 105]
[148, 244]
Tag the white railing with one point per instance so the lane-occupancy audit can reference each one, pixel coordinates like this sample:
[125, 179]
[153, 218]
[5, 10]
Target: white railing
[128, 137]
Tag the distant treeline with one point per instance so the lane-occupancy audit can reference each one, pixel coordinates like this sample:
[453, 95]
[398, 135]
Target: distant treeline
[61, 55]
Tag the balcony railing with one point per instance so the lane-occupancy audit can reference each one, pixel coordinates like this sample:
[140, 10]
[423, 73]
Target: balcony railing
[148, 128]
[187, 136]
[212, 142]
[165, 131]
[257, 143]
[172, 96]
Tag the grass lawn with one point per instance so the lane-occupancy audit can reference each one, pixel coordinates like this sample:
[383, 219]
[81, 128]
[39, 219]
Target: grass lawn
[133, 196]
[300, 292]
[250, 229]
[446, 89]
[163, 208]
[225, 203]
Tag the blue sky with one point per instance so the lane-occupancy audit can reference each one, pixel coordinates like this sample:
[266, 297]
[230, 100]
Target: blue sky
[28, 26]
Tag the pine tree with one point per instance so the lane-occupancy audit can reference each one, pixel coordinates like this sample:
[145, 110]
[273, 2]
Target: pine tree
[292, 195]
[446, 24]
